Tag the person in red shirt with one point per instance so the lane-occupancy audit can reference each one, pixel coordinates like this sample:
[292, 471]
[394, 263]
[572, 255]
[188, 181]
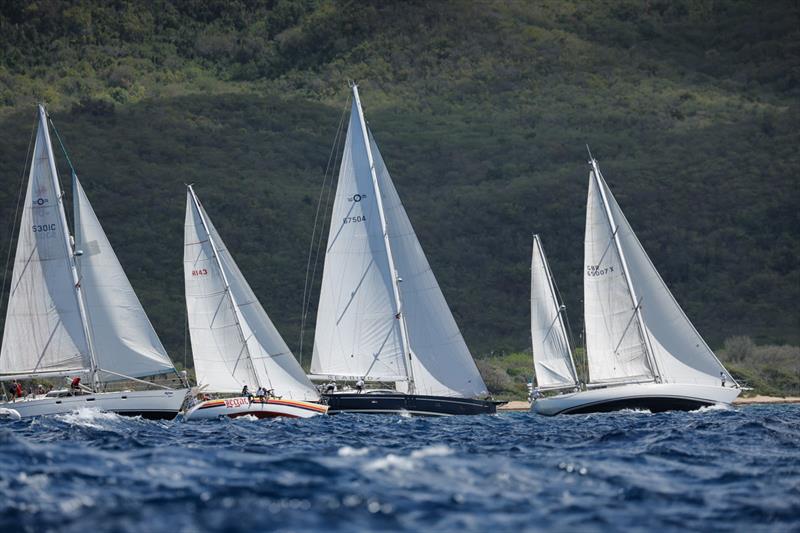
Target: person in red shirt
[75, 386]
[16, 389]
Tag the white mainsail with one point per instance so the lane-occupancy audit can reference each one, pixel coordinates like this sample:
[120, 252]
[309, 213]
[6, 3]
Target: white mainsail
[379, 298]
[681, 353]
[123, 338]
[357, 333]
[552, 357]
[234, 343]
[615, 343]
[44, 332]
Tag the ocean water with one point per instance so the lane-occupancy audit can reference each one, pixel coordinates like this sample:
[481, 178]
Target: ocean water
[716, 469]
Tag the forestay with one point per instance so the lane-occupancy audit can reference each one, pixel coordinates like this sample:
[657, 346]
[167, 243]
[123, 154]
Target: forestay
[615, 344]
[552, 358]
[124, 341]
[441, 362]
[43, 328]
[681, 353]
[357, 332]
[234, 342]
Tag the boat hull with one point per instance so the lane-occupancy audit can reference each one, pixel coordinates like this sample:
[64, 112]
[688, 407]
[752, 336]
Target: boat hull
[414, 404]
[654, 397]
[242, 406]
[151, 404]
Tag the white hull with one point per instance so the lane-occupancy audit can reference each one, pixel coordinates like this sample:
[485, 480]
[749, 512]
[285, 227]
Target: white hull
[154, 404]
[241, 406]
[655, 397]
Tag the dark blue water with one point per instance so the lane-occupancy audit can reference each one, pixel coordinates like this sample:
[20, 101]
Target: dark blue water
[735, 469]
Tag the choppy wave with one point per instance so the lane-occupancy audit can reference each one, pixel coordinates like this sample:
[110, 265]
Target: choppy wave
[720, 469]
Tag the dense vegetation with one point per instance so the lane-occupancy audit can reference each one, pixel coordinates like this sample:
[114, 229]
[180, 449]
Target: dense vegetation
[482, 111]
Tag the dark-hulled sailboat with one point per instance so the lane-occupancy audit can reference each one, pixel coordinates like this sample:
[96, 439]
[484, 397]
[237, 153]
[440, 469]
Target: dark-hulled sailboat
[382, 317]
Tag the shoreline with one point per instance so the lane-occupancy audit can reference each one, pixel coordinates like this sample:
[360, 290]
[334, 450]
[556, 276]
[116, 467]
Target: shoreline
[518, 405]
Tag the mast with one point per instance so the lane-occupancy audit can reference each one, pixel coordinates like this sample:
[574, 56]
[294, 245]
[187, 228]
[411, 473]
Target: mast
[215, 252]
[388, 247]
[70, 250]
[560, 315]
[634, 300]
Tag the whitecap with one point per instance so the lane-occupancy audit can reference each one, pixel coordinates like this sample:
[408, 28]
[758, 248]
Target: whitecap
[438, 450]
[715, 407]
[349, 451]
[87, 417]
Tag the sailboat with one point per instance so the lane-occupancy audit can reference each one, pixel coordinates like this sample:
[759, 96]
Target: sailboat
[72, 311]
[642, 350]
[234, 343]
[382, 318]
[552, 354]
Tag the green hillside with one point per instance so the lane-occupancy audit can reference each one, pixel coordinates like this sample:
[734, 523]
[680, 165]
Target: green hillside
[482, 111]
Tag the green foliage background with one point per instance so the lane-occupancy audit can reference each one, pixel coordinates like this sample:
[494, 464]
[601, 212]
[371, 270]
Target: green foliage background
[482, 111]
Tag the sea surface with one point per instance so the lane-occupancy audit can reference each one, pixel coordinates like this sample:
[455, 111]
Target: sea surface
[713, 470]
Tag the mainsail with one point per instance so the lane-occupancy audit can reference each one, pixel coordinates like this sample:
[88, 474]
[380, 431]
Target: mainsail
[379, 297]
[123, 338]
[615, 343]
[552, 357]
[234, 343]
[665, 346]
[357, 333]
[44, 332]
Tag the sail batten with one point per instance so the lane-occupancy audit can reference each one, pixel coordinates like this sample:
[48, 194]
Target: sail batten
[552, 356]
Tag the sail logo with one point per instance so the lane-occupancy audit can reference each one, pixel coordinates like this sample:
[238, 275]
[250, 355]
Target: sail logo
[356, 197]
[41, 191]
[200, 272]
[594, 271]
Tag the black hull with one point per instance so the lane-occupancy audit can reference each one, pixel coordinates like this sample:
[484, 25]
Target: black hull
[654, 404]
[413, 404]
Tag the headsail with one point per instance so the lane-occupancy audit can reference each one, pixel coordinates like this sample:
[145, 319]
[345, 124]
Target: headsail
[357, 332]
[234, 342]
[552, 356]
[44, 332]
[682, 354]
[124, 340]
[615, 344]
[442, 364]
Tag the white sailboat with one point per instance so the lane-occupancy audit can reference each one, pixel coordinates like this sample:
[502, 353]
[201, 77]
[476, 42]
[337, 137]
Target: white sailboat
[642, 350]
[552, 354]
[382, 317]
[72, 310]
[234, 343]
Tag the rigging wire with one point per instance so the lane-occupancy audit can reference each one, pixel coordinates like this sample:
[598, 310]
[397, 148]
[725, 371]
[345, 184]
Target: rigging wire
[16, 214]
[333, 157]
